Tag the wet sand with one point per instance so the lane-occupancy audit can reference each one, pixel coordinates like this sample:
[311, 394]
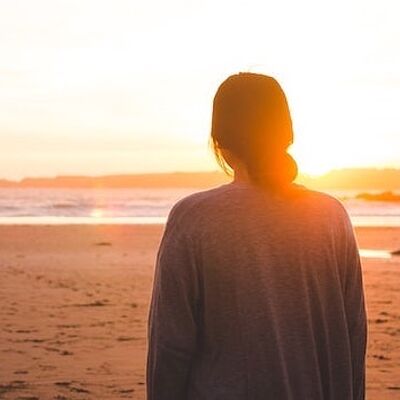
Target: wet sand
[74, 303]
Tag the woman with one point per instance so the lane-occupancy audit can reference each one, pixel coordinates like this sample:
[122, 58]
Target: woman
[258, 290]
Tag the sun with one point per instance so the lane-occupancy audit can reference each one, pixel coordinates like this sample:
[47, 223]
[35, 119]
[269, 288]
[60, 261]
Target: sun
[316, 157]
[312, 166]
[97, 213]
[310, 162]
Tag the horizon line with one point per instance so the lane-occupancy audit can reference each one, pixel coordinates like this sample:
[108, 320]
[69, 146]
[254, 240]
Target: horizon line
[126, 174]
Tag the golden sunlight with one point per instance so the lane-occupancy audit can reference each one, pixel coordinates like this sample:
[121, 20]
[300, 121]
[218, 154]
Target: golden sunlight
[97, 213]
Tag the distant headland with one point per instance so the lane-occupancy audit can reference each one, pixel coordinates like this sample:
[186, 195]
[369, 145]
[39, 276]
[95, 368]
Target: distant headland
[349, 178]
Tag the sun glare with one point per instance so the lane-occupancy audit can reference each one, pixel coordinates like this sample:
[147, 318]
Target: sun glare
[97, 213]
[311, 164]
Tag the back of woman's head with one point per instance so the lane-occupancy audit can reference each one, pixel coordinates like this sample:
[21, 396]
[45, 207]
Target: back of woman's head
[251, 119]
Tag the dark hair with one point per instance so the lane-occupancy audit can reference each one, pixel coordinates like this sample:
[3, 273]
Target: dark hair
[251, 118]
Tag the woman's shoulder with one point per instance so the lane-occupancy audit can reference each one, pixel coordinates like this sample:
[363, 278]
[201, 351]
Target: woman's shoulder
[324, 199]
[186, 208]
[323, 203]
[193, 203]
[198, 209]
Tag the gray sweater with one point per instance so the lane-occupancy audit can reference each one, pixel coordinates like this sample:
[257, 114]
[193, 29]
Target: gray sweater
[257, 297]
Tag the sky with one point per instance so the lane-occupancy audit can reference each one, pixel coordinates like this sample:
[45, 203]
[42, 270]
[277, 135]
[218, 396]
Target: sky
[103, 87]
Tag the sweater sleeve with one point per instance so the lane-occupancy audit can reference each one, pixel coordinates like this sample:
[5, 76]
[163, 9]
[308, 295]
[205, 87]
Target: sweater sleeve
[172, 326]
[355, 310]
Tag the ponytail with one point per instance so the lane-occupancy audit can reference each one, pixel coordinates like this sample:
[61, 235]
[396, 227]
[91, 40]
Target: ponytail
[276, 172]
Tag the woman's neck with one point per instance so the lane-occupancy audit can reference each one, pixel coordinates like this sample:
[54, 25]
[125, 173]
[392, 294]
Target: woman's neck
[241, 176]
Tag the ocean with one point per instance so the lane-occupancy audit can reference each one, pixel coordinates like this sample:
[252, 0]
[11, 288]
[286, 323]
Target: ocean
[145, 206]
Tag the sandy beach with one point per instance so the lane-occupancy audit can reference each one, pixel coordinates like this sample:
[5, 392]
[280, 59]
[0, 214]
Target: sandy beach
[74, 303]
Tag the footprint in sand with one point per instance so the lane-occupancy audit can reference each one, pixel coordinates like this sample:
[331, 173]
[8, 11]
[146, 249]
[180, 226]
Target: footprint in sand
[126, 338]
[380, 357]
[12, 386]
[71, 386]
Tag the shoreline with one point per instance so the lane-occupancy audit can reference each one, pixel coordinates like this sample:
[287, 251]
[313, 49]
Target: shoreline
[372, 221]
